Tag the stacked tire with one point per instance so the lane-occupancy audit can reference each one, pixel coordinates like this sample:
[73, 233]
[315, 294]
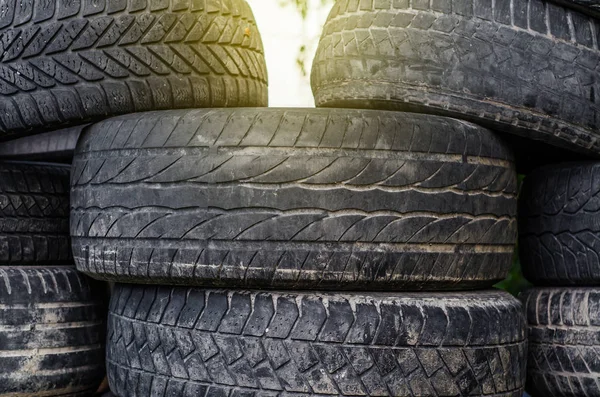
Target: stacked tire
[558, 232]
[527, 69]
[271, 252]
[64, 66]
[52, 318]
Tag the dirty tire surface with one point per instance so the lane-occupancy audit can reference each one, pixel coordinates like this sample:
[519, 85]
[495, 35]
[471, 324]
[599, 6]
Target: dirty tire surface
[71, 62]
[559, 217]
[188, 342]
[34, 214]
[527, 67]
[51, 332]
[56, 145]
[300, 198]
[563, 341]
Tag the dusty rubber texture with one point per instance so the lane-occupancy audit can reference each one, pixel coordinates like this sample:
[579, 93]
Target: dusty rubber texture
[71, 62]
[51, 332]
[301, 198]
[56, 145]
[559, 225]
[34, 214]
[192, 342]
[525, 66]
[563, 341]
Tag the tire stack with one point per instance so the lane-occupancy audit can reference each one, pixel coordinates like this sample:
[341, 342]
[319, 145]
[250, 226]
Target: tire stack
[526, 68]
[309, 226]
[64, 65]
[560, 255]
[301, 252]
[52, 319]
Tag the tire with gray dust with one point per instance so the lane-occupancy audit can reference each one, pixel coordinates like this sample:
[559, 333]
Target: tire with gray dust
[563, 341]
[192, 342]
[527, 67]
[51, 332]
[34, 214]
[559, 224]
[67, 63]
[57, 146]
[297, 198]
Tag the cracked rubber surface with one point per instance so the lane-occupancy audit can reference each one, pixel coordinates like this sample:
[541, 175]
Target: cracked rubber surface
[527, 67]
[193, 342]
[563, 341]
[559, 222]
[51, 332]
[71, 62]
[34, 214]
[298, 198]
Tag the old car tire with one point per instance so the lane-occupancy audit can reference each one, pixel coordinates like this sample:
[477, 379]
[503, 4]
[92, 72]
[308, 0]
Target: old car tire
[187, 342]
[298, 198]
[525, 67]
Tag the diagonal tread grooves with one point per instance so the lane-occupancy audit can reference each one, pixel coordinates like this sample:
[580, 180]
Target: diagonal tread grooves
[239, 179]
[558, 212]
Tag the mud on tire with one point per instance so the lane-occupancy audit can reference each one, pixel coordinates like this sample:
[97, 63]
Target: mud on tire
[187, 342]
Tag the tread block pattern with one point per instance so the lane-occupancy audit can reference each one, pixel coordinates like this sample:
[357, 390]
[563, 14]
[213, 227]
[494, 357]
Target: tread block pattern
[528, 67]
[563, 341]
[231, 343]
[51, 332]
[68, 63]
[34, 214]
[297, 198]
[559, 225]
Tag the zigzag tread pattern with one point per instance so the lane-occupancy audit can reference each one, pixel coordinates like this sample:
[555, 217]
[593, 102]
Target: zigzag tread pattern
[563, 335]
[52, 331]
[518, 66]
[221, 343]
[557, 224]
[72, 62]
[34, 214]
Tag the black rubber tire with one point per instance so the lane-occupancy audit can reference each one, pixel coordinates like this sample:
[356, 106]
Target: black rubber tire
[463, 58]
[34, 214]
[51, 332]
[71, 62]
[301, 198]
[56, 145]
[563, 342]
[591, 7]
[186, 342]
[559, 224]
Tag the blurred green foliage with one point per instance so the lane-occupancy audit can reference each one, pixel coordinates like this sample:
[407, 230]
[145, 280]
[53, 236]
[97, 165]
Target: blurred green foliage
[515, 282]
[301, 5]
